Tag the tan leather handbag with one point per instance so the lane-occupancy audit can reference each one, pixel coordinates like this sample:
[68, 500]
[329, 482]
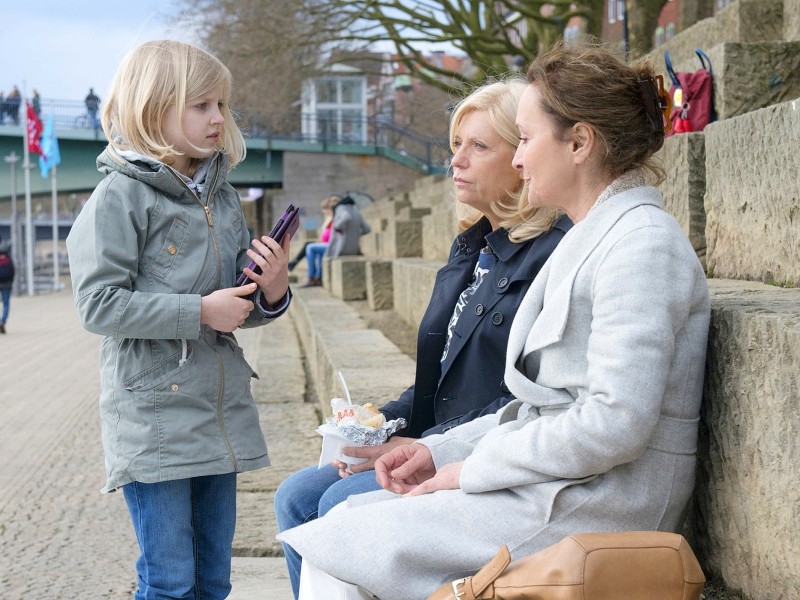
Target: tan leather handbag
[629, 565]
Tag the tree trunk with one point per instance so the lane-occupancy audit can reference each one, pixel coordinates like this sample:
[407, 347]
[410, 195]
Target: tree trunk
[642, 23]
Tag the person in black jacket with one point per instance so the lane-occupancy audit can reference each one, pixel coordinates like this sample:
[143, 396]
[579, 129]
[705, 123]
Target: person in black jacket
[462, 338]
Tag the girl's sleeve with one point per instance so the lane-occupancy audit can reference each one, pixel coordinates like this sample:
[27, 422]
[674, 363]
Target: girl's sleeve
[104, 246]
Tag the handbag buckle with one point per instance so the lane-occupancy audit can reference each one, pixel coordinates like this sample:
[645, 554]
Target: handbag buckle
[456, 584]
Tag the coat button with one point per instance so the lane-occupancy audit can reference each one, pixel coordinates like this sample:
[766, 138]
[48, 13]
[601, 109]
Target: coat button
[479, 309]
[503, 282]
[174, 387]
[172, 249]
[497, 318]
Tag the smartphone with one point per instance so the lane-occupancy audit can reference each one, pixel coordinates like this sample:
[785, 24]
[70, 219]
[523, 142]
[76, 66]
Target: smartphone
[286, 225]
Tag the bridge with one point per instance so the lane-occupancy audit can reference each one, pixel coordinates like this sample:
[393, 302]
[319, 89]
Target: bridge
[80, 145]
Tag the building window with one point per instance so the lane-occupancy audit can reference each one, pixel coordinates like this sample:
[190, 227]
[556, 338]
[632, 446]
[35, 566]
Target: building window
[670, 31]
[571, 34]
[334, 109]
[612, 11]
[659, 36]
[620, 9]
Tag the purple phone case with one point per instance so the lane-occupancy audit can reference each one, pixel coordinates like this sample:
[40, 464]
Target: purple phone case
[286, 225]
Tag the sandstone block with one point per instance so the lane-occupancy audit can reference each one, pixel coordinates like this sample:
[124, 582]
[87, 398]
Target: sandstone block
[683, 158]
[749, 76]
[752, 211]
[438, 231]
[742, 21]
[380, 292]
[747, 497]
[413, 280]
[348, 277]
[791, 20]
[402, 239]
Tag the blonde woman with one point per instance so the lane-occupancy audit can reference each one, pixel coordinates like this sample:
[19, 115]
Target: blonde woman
[464, 332]
[154, 256]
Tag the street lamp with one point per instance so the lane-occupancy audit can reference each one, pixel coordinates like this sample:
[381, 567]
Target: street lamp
[12, 160]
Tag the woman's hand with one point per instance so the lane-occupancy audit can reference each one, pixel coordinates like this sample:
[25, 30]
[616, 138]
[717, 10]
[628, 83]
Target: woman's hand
[404, 468]
[371, 453]
[273, 259]
[226, 309]
[446, 478]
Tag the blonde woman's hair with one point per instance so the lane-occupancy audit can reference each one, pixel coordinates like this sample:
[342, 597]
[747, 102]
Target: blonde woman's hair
[499, 101]
[155, 76]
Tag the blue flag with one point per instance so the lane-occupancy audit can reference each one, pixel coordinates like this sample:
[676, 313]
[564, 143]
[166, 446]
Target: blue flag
[50, 156]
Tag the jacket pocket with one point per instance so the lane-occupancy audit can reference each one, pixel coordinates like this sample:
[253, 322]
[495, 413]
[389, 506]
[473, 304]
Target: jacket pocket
[167, 369]
[170, 249]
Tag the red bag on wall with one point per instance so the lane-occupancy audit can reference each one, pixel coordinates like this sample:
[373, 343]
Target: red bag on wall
[692, 96]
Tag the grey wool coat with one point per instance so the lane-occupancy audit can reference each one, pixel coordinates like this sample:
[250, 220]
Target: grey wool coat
[606, 357]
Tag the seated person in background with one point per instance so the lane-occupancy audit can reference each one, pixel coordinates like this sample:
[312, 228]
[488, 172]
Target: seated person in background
[605, 359]
[463, 334]
[314, 251]
[348, 226]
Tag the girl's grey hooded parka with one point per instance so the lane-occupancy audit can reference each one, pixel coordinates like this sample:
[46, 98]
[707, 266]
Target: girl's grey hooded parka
[175, 398]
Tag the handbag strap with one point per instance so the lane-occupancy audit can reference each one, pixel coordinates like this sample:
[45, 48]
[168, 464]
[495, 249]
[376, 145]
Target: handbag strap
[705, 61]
[471, 588]
[670, 71]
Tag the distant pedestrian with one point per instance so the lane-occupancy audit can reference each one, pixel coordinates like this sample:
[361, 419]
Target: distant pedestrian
[92, 101]
[154, 256]
[37, 103]
[13, 101]
[348, 226]
[6, 281]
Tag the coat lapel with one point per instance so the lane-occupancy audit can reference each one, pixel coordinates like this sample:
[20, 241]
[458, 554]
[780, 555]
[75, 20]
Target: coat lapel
[545, 313]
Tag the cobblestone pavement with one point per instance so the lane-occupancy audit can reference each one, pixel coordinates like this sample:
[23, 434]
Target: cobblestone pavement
[59, 536]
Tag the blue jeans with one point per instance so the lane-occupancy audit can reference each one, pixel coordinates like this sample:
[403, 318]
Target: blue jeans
[312, 492]
[185, 532]
[6, 293]
[314, 254]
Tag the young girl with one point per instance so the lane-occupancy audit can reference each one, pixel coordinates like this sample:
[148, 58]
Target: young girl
[153, 256]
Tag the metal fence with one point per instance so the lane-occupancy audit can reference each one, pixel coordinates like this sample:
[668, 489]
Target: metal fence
[323, 128]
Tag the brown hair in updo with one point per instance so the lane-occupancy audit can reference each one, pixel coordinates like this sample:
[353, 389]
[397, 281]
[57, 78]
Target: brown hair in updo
[590, 84]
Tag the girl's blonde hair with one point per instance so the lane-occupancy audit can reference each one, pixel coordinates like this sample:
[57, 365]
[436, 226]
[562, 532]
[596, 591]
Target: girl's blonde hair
[499, 100]
[155, 76]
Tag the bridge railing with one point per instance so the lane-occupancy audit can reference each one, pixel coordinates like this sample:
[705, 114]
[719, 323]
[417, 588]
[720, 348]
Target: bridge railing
[323, 128]
[328, 128]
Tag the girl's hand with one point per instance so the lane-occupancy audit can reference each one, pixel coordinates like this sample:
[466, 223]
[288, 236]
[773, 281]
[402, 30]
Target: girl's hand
[226, 309]
[404, 468]
[273, 259]
[371, 453]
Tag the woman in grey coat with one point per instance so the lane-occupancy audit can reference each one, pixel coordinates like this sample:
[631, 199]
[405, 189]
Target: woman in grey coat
[605, 358]
[348, 227]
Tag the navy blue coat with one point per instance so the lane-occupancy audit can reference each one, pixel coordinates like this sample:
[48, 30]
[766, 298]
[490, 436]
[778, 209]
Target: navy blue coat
[469, 383]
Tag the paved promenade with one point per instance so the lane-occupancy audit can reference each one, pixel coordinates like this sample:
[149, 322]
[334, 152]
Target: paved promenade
[60, 537]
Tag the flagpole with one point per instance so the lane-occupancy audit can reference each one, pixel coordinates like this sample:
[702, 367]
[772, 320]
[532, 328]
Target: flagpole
[26, 166]
[56, 283]
[12, 159]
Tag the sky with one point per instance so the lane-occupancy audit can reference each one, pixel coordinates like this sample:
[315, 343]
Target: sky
[64, 47]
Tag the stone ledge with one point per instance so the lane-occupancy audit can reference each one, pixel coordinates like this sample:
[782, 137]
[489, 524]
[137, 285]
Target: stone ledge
[335, 337]
[751, 207]
[746, 498]
[413, 279]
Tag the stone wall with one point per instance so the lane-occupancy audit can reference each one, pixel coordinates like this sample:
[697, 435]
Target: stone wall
[683, 159]
[791, 20]
[747, 498]
[752, 196]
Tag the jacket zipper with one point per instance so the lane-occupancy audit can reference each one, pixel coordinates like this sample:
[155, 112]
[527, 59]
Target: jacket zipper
[210, 221]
